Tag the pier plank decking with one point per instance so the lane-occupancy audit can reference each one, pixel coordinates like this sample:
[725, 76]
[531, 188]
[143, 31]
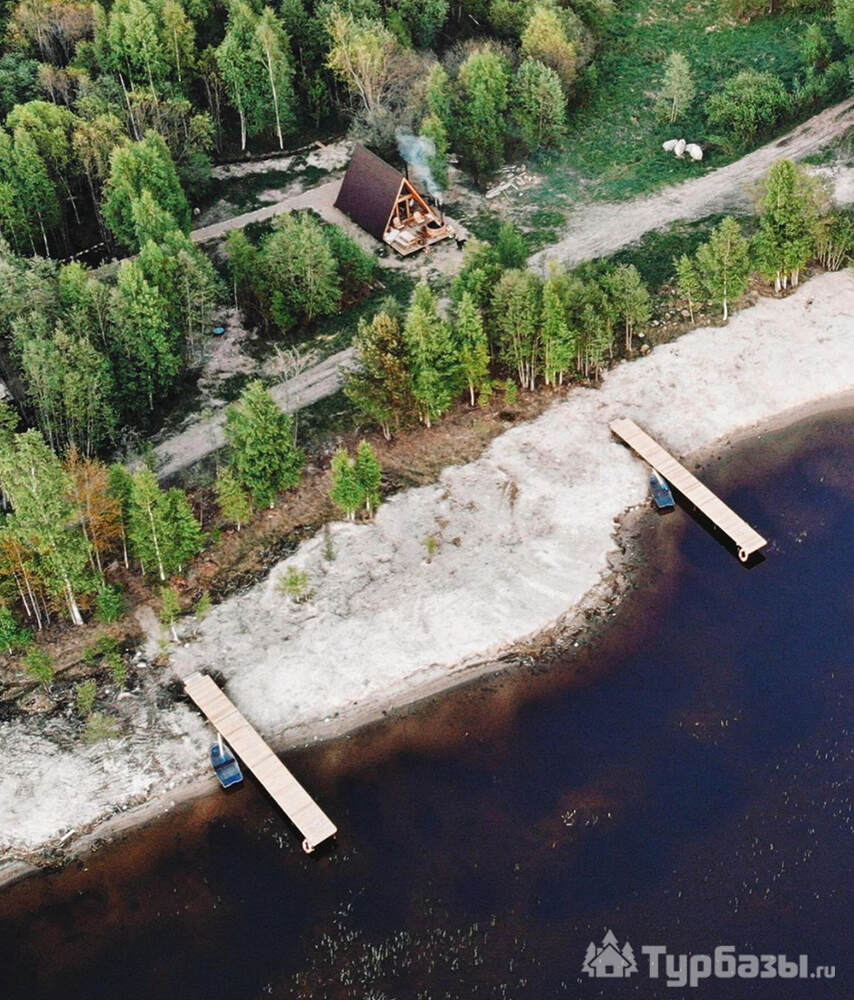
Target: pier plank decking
[312, 822]
[746, 538]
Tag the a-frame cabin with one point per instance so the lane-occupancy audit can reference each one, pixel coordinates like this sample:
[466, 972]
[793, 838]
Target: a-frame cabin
[388, 206]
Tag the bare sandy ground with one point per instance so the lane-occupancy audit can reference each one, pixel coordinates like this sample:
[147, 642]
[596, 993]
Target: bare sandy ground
[597, 229]
[523, 535]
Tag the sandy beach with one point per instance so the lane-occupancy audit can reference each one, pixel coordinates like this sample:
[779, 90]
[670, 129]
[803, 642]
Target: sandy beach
[448, 578]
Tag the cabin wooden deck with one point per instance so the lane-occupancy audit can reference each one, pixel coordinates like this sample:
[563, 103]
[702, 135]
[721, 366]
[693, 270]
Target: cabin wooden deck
[314, 825]
[746, 539]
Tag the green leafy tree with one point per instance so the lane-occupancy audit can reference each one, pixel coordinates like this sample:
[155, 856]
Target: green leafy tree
[119, 489]
[12, 635]
[677, 88]
[843, 17]
[300, 270]
[272, 48]
[234, 502]
[346, 492]
[630, 300]
[479, 273]
[834, 239]
[481, 104]
[362, 54]
[545, 39]
[423, 19]
[748, 105]
[70, 383]
[472, 345]
[816, 50]
[170, 609]
[433, 363]
[38, 487]
[265, 459]
[516, 309]
[162, 530]
[369, 476]
[511, 247]
[380, 385]
[147, 352]
[688, 282]
[724, 264]
[788, 213]
[540, 105]
[559, 347]
[19, 80]
[136, 167]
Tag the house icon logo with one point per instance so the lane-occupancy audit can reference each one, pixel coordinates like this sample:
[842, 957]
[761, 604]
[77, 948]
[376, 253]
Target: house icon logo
[610, 961]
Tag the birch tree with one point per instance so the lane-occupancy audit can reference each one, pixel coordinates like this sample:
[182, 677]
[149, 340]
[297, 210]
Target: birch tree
[472, 345]
[38, 487]
[724, 264]
[274, 50]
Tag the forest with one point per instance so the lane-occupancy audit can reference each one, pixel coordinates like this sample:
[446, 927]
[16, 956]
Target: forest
[112, 117]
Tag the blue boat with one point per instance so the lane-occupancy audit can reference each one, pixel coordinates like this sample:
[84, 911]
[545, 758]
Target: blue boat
[225, 765]
[661, 492]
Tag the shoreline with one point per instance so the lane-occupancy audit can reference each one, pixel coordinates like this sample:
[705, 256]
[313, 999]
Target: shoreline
[409, 688]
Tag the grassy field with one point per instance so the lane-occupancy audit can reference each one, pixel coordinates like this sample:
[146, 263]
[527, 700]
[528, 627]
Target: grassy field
[613, 148]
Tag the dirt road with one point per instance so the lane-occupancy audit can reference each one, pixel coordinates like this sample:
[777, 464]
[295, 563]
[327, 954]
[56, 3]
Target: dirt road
[207, 435]
[600, 228]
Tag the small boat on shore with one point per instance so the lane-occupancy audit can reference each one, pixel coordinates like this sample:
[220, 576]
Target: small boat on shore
[661, 492]
[225, 765]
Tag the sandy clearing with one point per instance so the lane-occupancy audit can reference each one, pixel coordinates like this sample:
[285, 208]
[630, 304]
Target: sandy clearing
[597, 229]
[525, 534]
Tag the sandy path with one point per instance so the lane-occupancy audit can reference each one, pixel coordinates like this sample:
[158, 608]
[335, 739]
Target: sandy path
[525, 533]
[319, 198]
[205, 436]
[597, 229]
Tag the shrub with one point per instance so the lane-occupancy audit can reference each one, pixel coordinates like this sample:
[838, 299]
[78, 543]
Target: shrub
[511, 392]
[84, 696]
[294, 584]
[748, 105]
[203, 606]
[118, 671]
[100, 726]
[12, 635]
[39, 666]
[109, 604]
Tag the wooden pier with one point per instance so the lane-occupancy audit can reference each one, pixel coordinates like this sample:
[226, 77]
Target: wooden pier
[311, 821]
[746, 539]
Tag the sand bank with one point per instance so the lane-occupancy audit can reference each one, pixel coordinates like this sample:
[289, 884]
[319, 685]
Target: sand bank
[521, 537]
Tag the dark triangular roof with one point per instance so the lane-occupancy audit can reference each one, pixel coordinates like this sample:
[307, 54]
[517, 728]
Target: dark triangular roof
[368, 191]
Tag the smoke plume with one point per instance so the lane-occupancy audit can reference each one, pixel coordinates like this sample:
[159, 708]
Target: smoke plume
[417, 151]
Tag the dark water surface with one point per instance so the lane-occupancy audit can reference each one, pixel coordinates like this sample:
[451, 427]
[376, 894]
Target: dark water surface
[683, 778]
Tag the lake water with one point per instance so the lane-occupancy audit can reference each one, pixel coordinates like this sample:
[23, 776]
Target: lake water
[682, 777]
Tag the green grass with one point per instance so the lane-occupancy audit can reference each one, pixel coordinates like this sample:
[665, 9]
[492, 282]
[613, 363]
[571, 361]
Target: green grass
[613, 149]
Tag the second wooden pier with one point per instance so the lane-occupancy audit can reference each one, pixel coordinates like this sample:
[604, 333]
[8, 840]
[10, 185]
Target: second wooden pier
[746, 539]
[306, 815]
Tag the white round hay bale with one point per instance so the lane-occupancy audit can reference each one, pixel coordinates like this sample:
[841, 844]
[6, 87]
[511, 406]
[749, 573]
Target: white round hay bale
[669, 145]
[694, 151]
[679, 148]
